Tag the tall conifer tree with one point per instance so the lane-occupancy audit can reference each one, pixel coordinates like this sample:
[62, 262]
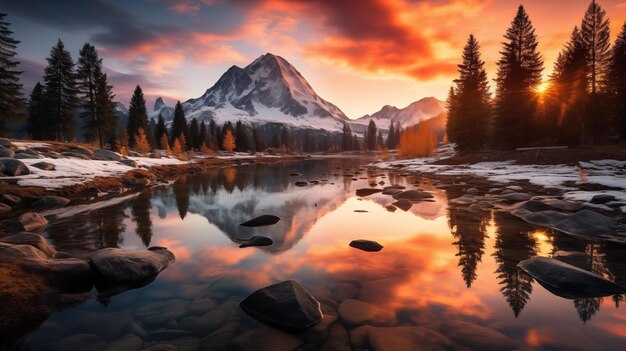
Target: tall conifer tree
[37, 122]
[61, 92]
[618, 82]
[179, 123]
[10, 86]
[519, 73]
[137, 116]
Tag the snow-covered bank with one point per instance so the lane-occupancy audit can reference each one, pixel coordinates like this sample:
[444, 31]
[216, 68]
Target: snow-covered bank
[567, 178]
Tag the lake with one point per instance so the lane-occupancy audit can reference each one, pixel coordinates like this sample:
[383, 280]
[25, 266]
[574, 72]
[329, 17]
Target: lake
[441, 267]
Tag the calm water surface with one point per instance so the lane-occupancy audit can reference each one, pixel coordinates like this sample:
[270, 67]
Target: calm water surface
[438, 263]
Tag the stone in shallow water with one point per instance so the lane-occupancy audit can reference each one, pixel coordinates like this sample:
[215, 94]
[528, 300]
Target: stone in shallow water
[475, 336]
[301, 183]
[602, 198]
[367, 191]
[28, 222]
[265, 339]
[403, 204]
[568, 281]
[4, 208]
[413, 195]
[356, 312]
[403, 338]
[32, 239]
[257, 241]
[261, 221]
[366, 245]
[48, 202]
[285, 305]
[126, 266]
[516, 197]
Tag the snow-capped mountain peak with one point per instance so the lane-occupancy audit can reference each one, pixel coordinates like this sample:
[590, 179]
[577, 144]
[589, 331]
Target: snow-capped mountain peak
[414, 113]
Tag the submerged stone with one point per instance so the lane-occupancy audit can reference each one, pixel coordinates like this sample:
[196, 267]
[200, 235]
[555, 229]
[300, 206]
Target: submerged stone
[257, 241]
[413, 195]
[260, 221]
[568, 281]
[366, 245]
[367, 191]
[127, 266]
[403, 204]
[285, 305]
[48, 202]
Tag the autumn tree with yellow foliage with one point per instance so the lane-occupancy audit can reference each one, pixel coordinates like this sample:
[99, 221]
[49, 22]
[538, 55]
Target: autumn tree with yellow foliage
[229, 141]
[141, 142]
[418, 141]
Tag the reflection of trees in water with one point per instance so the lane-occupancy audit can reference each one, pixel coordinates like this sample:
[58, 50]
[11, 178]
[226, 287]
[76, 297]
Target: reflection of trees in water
[140, 213]
[181, 190]
[586, 308]
[469, 230]
[89, 231]
[615, 262]
[513, 244]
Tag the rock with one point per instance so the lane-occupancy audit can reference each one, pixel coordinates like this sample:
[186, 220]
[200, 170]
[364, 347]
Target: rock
[10, 200]
[338, 339]
[75, 155]
[361, 211]
[155, 154]
[4, 209]
[301, 183]
[403, 204]
[345, 291]
[32, 239]
[367, 191]
[391, 191]
[355, 312]
[265, 339]
[516, 197]
[475, 336]
[14, 168]
[366, 245]
[568, 281]
[83, 151]
[6, 153]
[28, 222]
[466, 199]
[563, 205]
[162, 311]
[201, 306]
[4, 142]
[413, 195]
[27, 154]
[257, 241]
[127, 342]
[295, 174]
[168, 334]
[260, 221]
[127, 266]
[62, 254]
[602, 198]
[392, 208]
[48, 202]
[589, 224]
[129, 163]
[403, 338]
[475, 208]
[472, 191]
[44, 166]
[106, 155]
[211, 321]
[286, 306]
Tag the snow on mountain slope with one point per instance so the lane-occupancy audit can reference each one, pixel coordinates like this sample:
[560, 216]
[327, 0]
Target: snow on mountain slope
[269, 90]
[421, 110]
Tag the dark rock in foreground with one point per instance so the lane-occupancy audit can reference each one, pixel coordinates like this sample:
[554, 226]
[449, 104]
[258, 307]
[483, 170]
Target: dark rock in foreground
[366, 245]
[44, 166]
[4, 208]
[413, 195]
[261, 221]
[301, 183]
[602, 199]
[127, 266]
[568, 281]
[48, 202]
[257, 241]
[367, 191]
[32, 239]
[286, 306]
[14, 168]
[27, 222]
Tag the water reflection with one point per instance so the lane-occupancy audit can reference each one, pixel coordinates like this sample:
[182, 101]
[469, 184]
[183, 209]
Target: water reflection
[439, 262]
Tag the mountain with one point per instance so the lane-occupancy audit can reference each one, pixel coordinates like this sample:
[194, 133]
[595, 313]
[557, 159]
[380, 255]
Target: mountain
[268, 90]
[416, 112]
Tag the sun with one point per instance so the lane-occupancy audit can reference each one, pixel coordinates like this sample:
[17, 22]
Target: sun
[542, 88]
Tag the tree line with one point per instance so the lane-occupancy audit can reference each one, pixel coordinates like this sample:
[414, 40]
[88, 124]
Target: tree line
[583, 102]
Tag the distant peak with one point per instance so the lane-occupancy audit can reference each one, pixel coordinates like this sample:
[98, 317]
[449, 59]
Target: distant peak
[158, 103]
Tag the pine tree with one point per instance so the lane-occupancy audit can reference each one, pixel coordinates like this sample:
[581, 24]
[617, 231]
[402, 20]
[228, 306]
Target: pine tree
[452, 125]
[472, 100]
[179, 123]
[618, 82]
[159, 132]
[10, 86]
[61, 92]
[596, 34]
[391, 137]
[569, 83]
[137, 116]
[107, 118]
[36, 123]
[229, 141]
[256, 140]
[89, 69]
[203, 134]
[285, 138]
[242, 137]
[519, 72]
[379, 140]
[371, 135]
[194, 135]
[346, 138]
[213, 135]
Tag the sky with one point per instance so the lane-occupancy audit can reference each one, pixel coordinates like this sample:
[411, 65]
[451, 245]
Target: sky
[358, 54]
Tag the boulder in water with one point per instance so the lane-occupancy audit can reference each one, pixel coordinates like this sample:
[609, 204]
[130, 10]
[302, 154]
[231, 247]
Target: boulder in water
[260, 221]
[127, 266]
[568, 281]
[403, 204]
[367, 191]
[366, 245]
[48, 202]
[413, 195]
[257, 241]
[286, 306]
[602, 198]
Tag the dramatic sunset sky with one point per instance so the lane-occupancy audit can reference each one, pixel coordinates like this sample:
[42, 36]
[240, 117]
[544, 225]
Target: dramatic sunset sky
[358, 54]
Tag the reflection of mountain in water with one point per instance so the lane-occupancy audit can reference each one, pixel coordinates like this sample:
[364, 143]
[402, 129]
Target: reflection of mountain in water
[230, 196]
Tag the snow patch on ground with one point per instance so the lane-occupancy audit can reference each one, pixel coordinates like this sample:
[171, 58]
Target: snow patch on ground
[609, 173]
[28, 144]
[70, 171]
